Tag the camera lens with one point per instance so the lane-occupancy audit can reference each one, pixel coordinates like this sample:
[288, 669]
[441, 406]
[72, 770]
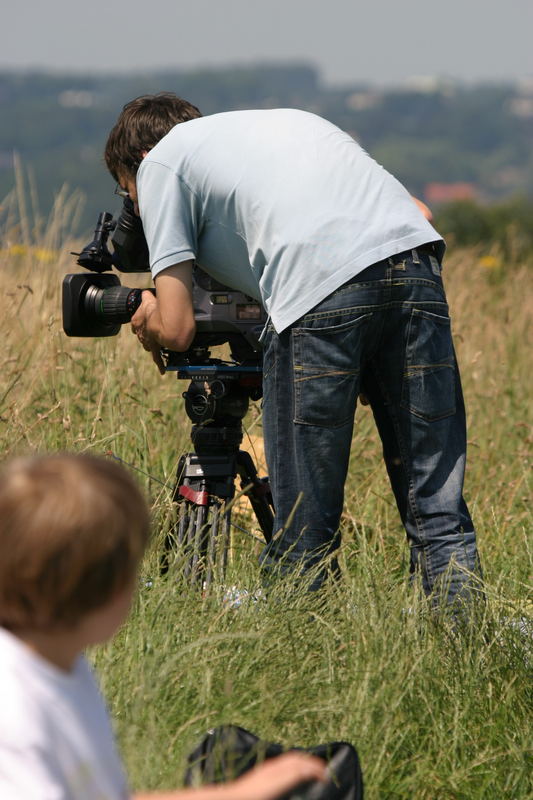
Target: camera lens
[115, 304]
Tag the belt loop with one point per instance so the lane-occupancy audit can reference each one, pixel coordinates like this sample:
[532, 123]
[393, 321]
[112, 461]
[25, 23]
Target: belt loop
[435, 266]
[416, 259]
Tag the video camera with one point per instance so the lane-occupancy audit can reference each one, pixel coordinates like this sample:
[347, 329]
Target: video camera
[97, 304]
[217, 400]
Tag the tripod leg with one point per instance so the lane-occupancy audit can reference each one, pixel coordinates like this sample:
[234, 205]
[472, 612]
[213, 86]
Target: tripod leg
[224, 542]
[198, 542]
[217, 531]
[203, 539]
[220, 542]
[183, 524]
[176, 539]
[258, 494]
[186, 535]
[211, 545]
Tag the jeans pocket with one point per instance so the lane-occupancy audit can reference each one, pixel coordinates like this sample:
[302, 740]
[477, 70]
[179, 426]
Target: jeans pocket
[428, 388]
[326, 373]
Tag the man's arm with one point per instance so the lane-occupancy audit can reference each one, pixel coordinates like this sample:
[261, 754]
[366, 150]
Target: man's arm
[426, 211]
[167, 320]
[269, 780]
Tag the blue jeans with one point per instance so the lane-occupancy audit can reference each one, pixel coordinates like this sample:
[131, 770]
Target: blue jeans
[386, 334]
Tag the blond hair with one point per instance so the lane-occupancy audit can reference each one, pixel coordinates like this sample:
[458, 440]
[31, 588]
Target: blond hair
[73, 529]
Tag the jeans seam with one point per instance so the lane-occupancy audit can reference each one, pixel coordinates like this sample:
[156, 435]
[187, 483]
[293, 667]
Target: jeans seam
[383, 282]
[411, 494]
[323, 374]
[371, 308]
[274, 412]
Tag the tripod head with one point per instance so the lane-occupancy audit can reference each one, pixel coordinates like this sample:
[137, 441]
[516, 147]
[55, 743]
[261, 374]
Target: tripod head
[219, 391]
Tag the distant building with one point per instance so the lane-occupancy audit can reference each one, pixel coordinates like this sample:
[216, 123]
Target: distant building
[363, 101]
[436, 193]
[522, 106]
[75, 98]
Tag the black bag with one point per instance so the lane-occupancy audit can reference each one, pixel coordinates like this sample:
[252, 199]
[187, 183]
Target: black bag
[228, 751]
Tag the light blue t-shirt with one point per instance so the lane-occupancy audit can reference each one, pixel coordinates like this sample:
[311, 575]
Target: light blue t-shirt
[279, 204]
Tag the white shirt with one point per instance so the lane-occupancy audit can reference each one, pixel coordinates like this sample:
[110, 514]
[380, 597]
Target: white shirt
[56, 741]
[279, 204]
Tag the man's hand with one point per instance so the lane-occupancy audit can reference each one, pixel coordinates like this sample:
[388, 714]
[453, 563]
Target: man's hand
[139, 326]
[167, 319]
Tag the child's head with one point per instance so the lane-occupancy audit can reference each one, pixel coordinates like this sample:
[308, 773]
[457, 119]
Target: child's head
[73, 529]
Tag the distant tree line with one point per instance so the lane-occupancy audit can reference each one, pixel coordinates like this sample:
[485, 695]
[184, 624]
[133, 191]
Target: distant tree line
[505, 229]
[435, 132]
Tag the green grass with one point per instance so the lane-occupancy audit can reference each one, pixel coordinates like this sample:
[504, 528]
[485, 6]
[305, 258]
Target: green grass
[434, 712]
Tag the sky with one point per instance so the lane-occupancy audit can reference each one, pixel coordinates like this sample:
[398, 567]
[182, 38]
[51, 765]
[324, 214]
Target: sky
[349, 41]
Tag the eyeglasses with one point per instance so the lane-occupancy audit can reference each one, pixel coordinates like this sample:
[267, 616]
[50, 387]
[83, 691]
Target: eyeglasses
[120, 191]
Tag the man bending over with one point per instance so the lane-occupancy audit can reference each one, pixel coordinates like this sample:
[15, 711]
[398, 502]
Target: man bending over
[283, 206]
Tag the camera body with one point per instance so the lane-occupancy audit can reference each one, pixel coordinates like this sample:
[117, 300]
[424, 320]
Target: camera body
[97, 304]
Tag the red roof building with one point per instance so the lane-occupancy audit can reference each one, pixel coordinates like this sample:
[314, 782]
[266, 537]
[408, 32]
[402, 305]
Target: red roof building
[435, 193]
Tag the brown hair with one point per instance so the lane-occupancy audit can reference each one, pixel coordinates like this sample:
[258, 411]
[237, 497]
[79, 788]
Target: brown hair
[73, 529]
[141, 124]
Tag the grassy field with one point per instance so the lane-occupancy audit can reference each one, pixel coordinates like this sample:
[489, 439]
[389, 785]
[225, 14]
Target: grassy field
[433, 713]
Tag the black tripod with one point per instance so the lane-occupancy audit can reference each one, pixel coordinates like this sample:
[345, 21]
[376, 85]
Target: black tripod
[216, 402]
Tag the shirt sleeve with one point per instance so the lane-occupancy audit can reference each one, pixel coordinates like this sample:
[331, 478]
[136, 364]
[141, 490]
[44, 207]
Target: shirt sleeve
[168, 211]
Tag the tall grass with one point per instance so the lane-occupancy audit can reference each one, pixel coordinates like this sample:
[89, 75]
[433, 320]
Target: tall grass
[434, 712]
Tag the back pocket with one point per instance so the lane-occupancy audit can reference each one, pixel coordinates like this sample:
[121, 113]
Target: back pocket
[428, 388]
[326, 372]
